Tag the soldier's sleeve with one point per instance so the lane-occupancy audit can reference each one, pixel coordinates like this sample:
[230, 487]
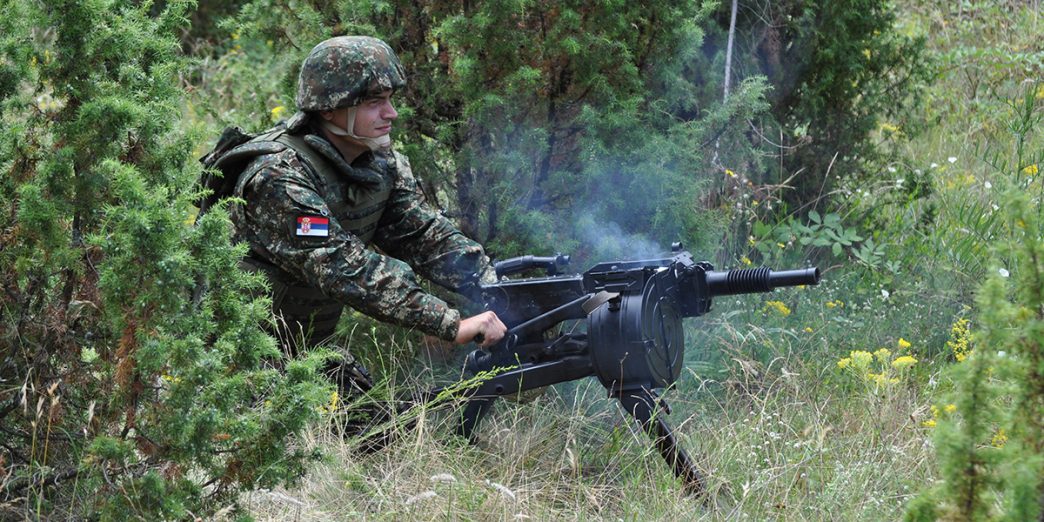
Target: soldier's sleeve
[335, 261]
[413, 231]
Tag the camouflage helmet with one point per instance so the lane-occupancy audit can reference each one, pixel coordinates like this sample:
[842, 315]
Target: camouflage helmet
[342, 71]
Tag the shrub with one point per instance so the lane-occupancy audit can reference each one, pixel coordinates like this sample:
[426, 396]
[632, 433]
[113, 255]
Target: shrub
[133, 381]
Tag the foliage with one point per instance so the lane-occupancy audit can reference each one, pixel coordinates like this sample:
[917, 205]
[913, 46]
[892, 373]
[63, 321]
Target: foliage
[825, 237]
[991, 455]
[838, 70]
[134, 380]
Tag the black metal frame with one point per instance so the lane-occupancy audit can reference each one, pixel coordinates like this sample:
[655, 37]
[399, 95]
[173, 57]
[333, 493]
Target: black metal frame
[633, 343]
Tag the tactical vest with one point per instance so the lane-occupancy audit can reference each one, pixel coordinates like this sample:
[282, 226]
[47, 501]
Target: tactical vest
[304, 313]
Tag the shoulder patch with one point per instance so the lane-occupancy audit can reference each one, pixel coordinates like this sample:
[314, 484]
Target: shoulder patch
[315, 226]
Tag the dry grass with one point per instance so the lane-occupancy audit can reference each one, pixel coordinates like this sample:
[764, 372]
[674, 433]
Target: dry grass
[786, 440]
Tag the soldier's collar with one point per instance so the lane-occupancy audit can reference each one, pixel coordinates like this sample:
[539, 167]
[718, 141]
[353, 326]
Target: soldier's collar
[330, 153]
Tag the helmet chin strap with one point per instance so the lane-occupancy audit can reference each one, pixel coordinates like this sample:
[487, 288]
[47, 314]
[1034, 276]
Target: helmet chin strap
[381, 143]
[374, 144]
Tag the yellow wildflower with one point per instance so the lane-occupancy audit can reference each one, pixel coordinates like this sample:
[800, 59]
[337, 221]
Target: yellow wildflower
[779, 307]
[861, 359]
[950, 408]
[843, 363]
[235, 35]
[1031, 170]
[332, 405]
[730, 173]
[32, 62]
[1040, 92]
[808, 329]
[999, 439]
[930, 423]
[904, 362]
[883, 355]
[866, 53]
[277, 112]
[959, 341]
[891, 128]
[781, 245]
[746, 261]
[881, 379]
[903, 344]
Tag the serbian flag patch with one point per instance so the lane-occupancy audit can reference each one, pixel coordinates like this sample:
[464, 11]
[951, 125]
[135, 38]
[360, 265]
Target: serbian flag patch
[313, 226]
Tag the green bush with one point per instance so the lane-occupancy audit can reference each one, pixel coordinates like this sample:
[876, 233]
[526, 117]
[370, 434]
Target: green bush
[134, 379]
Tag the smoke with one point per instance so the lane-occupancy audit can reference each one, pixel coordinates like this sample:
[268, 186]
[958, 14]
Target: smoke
[606, 240]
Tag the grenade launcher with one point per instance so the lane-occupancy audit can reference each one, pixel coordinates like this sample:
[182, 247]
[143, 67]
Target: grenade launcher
[633, 340]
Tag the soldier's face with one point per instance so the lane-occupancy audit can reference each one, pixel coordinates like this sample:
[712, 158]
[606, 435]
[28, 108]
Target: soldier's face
[374, 116]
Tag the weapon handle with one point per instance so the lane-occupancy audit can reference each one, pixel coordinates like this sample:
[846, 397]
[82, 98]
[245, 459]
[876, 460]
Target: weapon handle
[515, 265]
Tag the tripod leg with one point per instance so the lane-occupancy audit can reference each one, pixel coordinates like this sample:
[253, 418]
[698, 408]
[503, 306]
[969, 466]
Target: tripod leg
[471, 416]
[641, 405]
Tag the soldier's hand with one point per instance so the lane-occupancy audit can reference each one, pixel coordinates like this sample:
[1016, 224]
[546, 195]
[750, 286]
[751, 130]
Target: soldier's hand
[486, 324]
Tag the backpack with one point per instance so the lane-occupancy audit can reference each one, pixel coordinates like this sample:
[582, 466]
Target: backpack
[222, 166]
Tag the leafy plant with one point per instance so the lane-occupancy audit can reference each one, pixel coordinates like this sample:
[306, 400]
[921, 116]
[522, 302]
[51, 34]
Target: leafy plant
[821, 233]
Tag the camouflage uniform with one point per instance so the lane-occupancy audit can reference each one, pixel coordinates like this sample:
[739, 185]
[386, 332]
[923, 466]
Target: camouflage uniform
[375, 200]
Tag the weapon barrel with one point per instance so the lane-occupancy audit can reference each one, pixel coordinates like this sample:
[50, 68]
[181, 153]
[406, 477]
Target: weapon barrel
[753, 280]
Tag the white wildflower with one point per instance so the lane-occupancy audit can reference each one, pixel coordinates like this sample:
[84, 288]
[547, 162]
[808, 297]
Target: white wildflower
[952, 159]
[1003, 272]
[988, 185]
[421, 496]
[933, 165]
[443, 477]
[502, 489]
[885, 294]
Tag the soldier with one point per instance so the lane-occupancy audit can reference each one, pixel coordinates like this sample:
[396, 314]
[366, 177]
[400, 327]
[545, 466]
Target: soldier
[325, 187]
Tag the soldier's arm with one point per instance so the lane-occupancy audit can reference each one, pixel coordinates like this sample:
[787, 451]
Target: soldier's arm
[336, 261]
[413, 231]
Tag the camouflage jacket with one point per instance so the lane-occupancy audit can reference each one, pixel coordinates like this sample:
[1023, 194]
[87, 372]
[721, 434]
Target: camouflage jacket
[284, 195]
